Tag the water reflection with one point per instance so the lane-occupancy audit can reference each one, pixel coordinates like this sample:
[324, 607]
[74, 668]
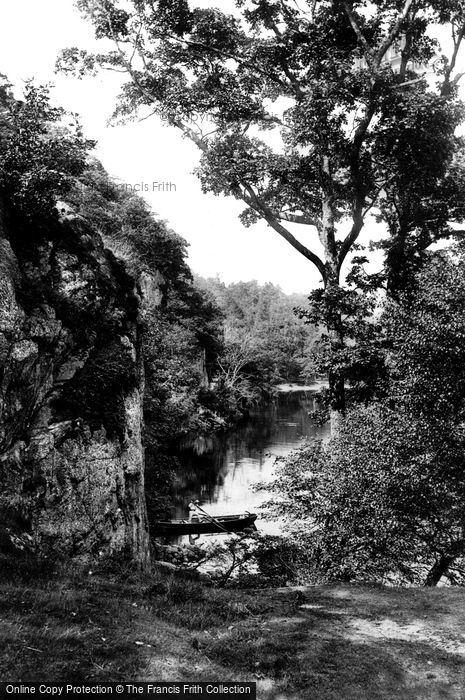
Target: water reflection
[220, 470]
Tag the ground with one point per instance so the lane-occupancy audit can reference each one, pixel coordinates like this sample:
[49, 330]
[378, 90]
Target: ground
[321, 643]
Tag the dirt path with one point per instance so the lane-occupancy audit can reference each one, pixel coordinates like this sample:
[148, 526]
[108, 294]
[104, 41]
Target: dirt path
[334, 643]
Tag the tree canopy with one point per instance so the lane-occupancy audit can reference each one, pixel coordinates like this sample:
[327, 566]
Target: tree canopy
[316, 115]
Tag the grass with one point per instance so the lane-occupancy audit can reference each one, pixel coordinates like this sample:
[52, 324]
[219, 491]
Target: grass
[76, 628]
[324, 643]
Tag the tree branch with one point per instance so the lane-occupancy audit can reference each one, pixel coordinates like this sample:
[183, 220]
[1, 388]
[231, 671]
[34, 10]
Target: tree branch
[362, 129]
[394, 33]
[297, 219]
[218, 52]
[374, 59]
[359, 34]
[231, 56]
[259, 206]
[457, 42]
[451, 232]
[350, 239]
[127, 64]
[457, 78]
[190, 133]
[409, 82]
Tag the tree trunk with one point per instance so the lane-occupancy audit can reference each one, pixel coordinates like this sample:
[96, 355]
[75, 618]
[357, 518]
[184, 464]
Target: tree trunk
[336, 401]
[336, 381]
[332, 300]
[438, 570]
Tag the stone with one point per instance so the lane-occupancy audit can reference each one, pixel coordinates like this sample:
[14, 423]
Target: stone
[71, 391]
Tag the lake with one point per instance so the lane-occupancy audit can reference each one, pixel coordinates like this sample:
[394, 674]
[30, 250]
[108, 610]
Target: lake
[220, 470]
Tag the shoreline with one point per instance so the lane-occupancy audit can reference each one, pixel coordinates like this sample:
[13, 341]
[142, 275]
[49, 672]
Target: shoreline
[289, 387]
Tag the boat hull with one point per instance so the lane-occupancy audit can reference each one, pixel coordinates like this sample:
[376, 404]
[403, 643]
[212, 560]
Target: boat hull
[221, 525]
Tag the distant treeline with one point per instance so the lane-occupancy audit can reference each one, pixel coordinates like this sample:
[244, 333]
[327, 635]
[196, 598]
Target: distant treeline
[265, 341]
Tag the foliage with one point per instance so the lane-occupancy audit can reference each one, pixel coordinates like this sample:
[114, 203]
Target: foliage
[265, 342]
[129, 227]
[173, 377]
[181, 324]
[384, 499]
[278, 561]
[355, 131]
[361, 358]
[423, 162]
[42, 149]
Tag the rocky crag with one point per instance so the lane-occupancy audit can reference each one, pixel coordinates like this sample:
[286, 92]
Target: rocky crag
[71, 389]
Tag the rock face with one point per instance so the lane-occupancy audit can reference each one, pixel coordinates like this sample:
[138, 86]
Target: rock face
[71, 390]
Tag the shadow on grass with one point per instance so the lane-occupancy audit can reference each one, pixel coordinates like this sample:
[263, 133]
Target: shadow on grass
[405, 605]
[310, 654]
[318, 668]
[335, 669]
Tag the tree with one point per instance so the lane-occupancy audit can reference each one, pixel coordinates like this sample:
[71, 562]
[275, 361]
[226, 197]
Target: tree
[309, 122]
[384, 500]
[261, 324]
[40, 155]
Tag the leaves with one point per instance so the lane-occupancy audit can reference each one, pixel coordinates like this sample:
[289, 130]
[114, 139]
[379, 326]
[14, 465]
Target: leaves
[40, 156]
[383, 500]
[265, 343]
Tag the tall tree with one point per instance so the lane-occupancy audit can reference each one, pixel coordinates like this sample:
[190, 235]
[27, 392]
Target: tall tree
[309, 117]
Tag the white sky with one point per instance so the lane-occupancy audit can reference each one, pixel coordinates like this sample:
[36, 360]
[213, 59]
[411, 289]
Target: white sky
[32, 32]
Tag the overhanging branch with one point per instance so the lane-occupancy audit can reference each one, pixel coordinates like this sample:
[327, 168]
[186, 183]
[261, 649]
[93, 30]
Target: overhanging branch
[260, 207]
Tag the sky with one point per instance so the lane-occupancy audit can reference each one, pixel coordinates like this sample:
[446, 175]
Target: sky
[149, 154]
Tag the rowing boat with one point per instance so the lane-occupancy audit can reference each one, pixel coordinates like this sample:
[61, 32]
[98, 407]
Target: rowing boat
[218, 524]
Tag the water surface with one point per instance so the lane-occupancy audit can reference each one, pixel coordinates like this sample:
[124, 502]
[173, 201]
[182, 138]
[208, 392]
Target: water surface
[220, 470]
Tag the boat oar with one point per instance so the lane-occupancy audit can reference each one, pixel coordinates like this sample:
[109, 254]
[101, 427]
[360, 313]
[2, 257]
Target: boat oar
[193, 506]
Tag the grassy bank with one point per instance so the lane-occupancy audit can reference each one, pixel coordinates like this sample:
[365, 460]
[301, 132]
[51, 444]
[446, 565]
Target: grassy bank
[324, 643]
